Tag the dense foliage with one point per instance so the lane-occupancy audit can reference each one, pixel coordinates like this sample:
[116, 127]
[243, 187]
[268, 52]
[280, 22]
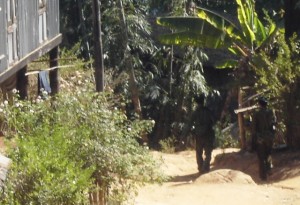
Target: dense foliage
[60, 147]
[278, 78]
[167, 77]
[81, 142]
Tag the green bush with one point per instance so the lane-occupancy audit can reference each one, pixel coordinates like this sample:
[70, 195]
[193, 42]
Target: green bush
[224, 138]
[168, 145]
[60, 146]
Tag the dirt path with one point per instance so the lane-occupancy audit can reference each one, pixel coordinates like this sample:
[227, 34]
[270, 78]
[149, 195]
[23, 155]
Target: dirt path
[232, 180]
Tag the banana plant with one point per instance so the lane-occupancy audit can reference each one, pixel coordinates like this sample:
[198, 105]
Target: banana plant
[244, 38]
[212, 30]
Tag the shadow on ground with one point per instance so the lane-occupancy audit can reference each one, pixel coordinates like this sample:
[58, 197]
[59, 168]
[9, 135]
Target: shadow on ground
[286, 165]
[185, 178]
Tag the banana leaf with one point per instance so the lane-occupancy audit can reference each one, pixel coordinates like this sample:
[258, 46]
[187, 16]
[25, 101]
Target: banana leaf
[229, 63]
[220, 22]
[244, 16]
[193, 24]
[196, 39]
[271, 34]
[193, 31]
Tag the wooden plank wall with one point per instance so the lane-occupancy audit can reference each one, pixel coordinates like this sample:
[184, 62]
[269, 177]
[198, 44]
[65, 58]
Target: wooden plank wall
[53, 18]
[3, 37]
[27, 15]
[34, 27]
[28, 20]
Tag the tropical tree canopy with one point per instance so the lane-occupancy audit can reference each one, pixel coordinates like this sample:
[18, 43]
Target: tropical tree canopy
[213, 30]
[245, 38]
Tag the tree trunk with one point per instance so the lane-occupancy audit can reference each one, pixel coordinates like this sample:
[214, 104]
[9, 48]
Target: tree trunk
[84, 32]
[241, 121]
[98, 53]
[171, 71]
[293, 115]
[162, 127]
[129, 66]
[134, 90]
[292, 16]
[99, 196]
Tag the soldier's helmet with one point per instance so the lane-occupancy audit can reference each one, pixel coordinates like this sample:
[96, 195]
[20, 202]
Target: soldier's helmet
[262, 101]
[199, 98]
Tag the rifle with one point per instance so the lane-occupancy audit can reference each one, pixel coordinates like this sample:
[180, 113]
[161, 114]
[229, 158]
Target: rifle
[244, 109]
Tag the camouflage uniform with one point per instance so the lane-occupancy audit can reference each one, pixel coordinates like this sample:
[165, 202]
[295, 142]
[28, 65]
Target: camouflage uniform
[204, 134]
[262, 139]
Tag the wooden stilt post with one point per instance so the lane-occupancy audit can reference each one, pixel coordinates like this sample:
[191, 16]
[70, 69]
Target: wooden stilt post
[241, 120]
[22, 83]
[53, 74]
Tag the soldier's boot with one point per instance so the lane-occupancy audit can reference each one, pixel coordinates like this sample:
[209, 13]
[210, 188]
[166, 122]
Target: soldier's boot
[200, 168]
[200, 163]
[262, 170]
[206, 166]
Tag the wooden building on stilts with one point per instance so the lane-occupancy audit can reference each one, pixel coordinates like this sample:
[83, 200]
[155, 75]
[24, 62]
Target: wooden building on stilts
[29, 30]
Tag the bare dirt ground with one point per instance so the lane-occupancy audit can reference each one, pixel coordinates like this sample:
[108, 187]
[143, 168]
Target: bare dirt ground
[233, 180]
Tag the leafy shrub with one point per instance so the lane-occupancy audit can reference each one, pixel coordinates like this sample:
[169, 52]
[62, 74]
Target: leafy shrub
[168, 144]
[224, 138]
[61, 146]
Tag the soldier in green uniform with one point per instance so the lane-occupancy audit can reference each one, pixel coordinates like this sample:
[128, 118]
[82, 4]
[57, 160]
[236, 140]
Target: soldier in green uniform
[263, 132]
[202, 123]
